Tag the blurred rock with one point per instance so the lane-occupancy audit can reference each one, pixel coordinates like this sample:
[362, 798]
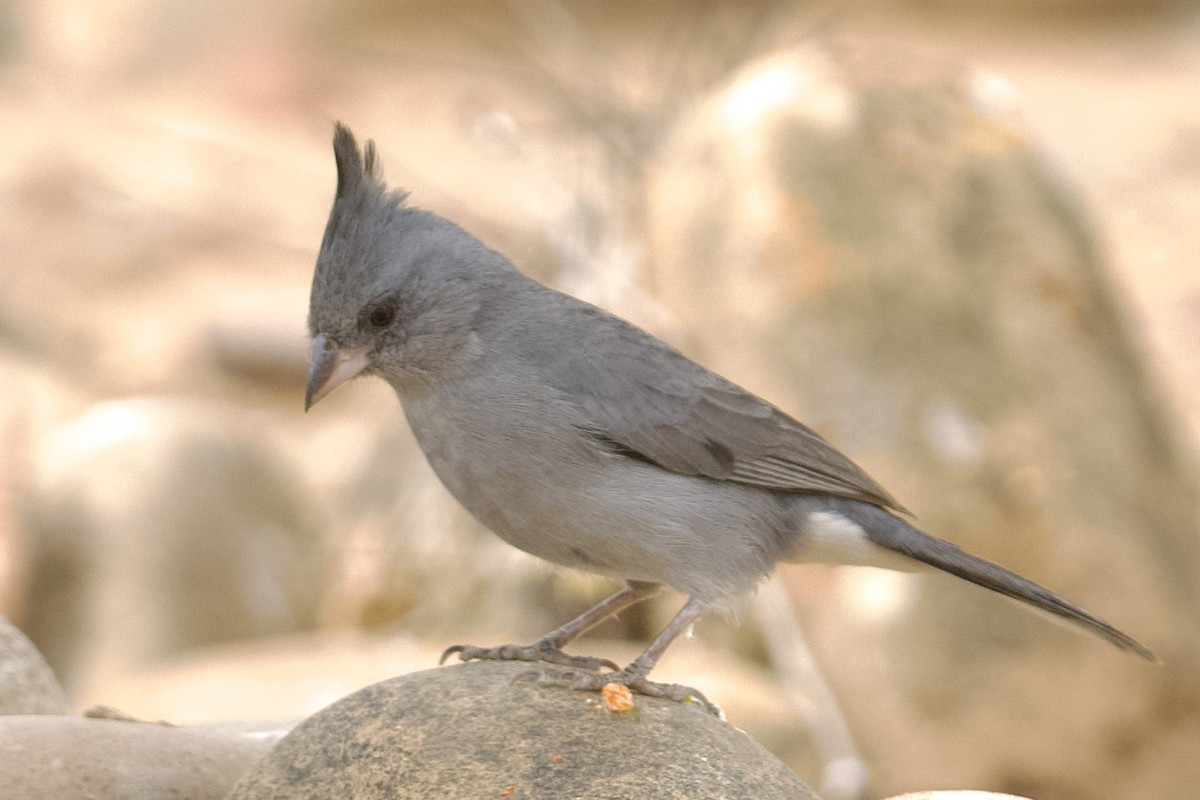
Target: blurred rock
[473, 731]
[159, 525]
[37, 399]
[896, 265]
[27, 686]
[76, 758]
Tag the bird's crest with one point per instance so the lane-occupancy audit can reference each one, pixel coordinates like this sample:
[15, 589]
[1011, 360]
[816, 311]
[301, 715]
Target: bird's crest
[364, 203]
[354, 168]
[356, 240]
[360, 172]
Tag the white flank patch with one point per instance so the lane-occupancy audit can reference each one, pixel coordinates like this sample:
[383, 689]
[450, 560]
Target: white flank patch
[830, 538]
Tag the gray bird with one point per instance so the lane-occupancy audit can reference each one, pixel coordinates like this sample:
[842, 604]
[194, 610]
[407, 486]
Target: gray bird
[577, 437]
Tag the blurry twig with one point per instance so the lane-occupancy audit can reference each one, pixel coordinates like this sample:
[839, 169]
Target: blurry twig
[844, 774]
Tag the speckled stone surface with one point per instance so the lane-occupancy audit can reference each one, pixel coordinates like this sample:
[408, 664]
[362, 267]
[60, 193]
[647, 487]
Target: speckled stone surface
[474, 730]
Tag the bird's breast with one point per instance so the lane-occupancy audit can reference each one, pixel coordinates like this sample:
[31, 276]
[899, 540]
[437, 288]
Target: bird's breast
[518, 472]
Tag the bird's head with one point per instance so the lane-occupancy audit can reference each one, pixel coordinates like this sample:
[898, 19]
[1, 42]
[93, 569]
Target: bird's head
[396, 289]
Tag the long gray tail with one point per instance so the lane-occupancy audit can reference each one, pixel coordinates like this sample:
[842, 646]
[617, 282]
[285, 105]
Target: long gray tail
[897, 535]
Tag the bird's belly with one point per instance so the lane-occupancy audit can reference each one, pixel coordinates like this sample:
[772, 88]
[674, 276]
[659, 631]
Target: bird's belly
[530, 488]
[654, 527]
[555, 515]
[553, 494]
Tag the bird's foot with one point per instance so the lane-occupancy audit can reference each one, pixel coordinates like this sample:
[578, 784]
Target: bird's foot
[630, 677]
[538, 651]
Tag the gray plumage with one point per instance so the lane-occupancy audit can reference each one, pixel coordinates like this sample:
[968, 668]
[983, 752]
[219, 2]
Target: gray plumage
[580, 438]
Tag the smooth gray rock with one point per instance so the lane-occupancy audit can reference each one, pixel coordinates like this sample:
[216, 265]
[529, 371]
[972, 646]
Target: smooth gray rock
[473, 730]
[78, 758]
[27, 686]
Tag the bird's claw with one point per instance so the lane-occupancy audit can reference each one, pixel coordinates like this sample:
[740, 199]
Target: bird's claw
[539, 651]
[594, 682]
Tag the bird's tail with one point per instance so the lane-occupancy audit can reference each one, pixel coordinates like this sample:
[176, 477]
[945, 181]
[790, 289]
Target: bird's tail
[896, 535]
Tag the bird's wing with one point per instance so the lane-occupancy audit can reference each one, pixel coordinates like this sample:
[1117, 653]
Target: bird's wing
[645, 400]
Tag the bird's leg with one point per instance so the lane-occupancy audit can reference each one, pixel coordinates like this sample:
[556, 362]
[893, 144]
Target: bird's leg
[550, 647]
[634, 675]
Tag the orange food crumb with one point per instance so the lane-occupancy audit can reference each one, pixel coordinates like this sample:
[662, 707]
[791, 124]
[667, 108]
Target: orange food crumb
[617, 698]
[556, 758]
[508, 790]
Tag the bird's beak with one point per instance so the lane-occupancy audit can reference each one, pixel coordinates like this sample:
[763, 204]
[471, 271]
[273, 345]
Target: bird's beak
[330, 367]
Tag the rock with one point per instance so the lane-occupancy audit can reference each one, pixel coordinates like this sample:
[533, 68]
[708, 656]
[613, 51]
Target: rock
[157, 525]
[291, 677]
[898, 266]
[472, 730]
[77, 758]
[27, 686]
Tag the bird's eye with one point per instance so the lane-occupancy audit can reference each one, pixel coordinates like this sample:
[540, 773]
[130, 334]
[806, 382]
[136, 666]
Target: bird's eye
[382, 315]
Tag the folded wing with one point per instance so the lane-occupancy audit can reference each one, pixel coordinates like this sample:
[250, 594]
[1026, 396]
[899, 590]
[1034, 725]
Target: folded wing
[647, 401]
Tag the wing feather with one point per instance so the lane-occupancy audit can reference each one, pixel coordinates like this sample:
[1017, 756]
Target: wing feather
[646, 400]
